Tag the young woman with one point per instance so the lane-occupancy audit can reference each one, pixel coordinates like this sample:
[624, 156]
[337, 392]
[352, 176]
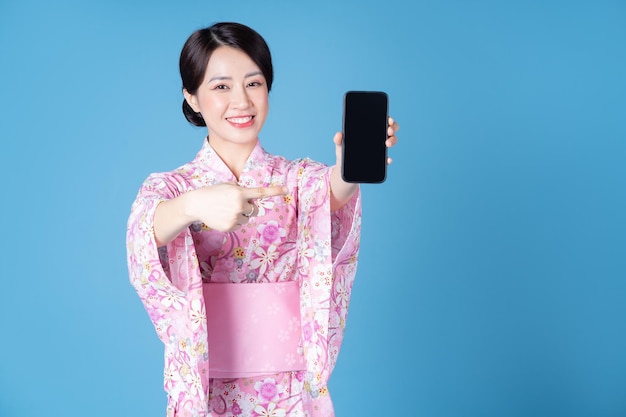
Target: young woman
[244, 260]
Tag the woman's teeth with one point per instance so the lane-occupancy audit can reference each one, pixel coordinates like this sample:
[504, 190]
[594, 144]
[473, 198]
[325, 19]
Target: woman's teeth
[240, 120]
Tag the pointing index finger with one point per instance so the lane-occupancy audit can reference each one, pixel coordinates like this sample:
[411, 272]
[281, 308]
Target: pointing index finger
[264, 192]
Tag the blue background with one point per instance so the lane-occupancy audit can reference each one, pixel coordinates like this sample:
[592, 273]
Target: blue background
[492, 277]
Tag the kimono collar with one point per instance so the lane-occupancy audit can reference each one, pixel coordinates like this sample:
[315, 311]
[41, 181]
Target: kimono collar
[255, 170]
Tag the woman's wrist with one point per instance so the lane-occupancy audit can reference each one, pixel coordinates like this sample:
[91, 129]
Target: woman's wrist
[340, 191]
[187, 208]
[172, 217]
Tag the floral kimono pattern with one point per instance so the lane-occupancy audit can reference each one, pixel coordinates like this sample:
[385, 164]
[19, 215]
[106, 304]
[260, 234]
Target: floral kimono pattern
[294, 237]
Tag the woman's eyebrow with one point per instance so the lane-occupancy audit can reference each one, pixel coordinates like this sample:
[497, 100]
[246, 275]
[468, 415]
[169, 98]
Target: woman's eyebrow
[224, 77]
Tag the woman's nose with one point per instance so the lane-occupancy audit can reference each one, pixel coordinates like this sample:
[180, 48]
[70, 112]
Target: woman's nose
[240, 99]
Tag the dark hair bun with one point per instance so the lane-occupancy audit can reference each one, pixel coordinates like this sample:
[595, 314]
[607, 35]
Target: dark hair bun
[192, 117]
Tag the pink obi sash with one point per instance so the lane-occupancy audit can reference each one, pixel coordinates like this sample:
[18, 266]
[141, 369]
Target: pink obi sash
[254, 328]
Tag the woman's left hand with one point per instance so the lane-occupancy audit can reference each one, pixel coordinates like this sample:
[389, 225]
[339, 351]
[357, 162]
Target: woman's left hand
[391, 135]
[340, 190]
[392, 139]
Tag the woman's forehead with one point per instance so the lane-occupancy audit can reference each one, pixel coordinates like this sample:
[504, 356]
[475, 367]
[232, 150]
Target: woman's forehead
[227, 61]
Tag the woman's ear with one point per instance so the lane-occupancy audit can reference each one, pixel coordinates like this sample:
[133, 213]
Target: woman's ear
[191, 100]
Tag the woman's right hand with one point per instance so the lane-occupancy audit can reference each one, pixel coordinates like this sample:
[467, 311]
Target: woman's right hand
[223, 207]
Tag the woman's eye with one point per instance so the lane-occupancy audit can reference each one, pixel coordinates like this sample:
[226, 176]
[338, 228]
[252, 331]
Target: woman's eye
[254, 84]
[221, 87]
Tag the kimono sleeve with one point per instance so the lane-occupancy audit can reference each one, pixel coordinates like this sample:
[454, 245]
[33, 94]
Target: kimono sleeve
[169, 285]
[163, 301]
[346, 234]
[332, 241]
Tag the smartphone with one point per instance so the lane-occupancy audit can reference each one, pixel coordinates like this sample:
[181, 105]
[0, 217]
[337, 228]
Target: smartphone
[365, 118]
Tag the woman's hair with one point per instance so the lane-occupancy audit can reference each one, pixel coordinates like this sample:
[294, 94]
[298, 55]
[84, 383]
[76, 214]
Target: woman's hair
[196, 52]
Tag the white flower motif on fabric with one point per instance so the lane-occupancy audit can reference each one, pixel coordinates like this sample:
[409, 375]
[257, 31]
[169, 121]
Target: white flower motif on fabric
[342, 294]
[195, 386]
[304, 254]
[197, 316]
[206, 270]
[263, 205]
[270, 411]
[170, 376]
[265, 259]
[170, 299]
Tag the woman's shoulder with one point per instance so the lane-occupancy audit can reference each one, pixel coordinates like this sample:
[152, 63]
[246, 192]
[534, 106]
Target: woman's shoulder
[300, 172]
[297, 163]
[179, 179]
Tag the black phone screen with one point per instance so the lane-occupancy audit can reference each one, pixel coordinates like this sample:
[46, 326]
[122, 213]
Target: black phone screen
[364, 136]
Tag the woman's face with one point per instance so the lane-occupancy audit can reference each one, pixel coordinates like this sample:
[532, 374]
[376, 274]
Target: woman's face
[233, 98]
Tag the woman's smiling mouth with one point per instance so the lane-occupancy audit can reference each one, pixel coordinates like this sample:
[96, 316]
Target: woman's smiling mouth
[242, 121]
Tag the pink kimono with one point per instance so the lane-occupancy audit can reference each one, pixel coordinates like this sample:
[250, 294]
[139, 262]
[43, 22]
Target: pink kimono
[294, 238]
